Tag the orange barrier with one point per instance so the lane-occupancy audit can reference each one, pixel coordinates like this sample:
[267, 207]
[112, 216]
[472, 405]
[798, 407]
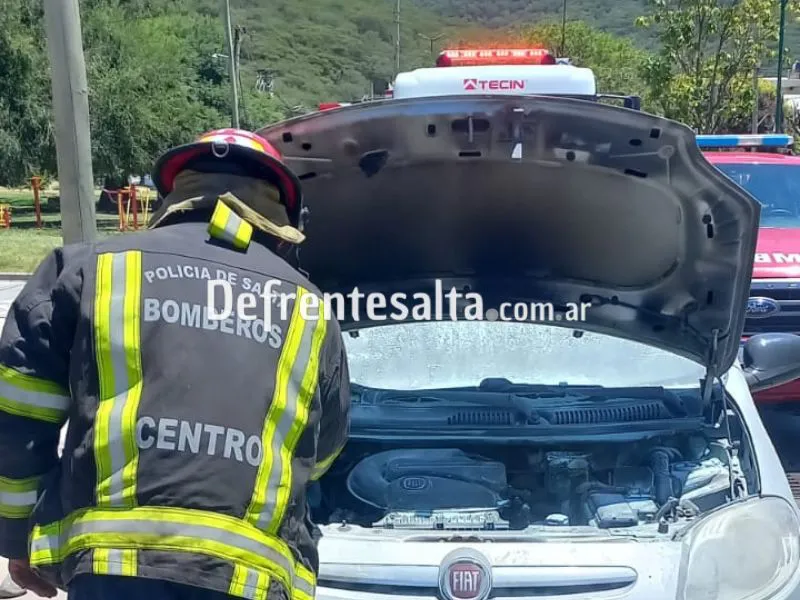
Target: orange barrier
[36, 182]
[123, 215]
[5, 216]
[127, 203]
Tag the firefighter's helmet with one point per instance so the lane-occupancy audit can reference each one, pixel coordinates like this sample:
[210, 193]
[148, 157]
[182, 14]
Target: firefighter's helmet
[232, 151]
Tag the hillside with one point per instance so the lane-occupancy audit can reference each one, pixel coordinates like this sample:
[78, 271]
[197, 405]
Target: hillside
[612, 16]
[332, 49]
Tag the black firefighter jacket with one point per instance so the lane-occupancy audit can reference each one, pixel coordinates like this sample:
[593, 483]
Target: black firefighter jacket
[191, 437]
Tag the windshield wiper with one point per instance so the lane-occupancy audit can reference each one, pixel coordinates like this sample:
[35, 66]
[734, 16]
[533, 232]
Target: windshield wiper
[501, 385]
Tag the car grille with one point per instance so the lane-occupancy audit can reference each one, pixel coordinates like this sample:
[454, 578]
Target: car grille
[787, 295]
[508, 582]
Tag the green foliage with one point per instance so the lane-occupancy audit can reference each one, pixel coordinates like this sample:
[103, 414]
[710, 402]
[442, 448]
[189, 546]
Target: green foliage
[616, 61]
[154, 81]
[156, 78]
[702, 73]
[26, 140]
[612, 16]
[148, 86]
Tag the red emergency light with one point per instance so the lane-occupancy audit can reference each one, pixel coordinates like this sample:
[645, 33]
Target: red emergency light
[501, 56]
[331, 105]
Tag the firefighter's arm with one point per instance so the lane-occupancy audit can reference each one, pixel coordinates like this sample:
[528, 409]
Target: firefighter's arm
[334, 384]
[34, 392]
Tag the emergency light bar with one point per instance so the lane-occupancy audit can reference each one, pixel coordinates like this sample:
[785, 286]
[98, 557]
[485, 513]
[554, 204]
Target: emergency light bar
[501, 56]
[767, 140]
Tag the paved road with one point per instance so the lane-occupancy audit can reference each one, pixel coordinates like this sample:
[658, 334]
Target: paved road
[8, 291]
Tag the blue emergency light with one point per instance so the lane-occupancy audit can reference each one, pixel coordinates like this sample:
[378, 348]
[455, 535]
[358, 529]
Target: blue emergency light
[766, 140]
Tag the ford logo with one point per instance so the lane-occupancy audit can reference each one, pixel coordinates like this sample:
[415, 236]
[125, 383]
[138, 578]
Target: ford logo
[414, 484]
[760, 307]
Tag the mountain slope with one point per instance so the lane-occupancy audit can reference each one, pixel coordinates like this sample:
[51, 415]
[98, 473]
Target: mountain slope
[612, 16]
[332, 49]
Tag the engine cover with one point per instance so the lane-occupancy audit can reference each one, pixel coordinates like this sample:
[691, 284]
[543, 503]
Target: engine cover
[434, 479]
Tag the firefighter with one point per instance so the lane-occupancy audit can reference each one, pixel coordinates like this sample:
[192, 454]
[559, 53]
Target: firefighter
[192, 433]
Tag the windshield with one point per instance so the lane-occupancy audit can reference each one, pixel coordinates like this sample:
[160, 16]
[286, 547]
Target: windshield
[776, 187]
[429, 354]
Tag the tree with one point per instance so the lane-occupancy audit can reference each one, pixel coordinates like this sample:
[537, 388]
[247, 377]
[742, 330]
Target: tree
[26, 133]
[702, 74]
[615, 60]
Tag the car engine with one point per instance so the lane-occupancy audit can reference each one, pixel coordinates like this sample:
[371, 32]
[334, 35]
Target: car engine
[605, 486]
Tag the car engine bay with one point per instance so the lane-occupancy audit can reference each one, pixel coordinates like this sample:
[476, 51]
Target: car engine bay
[502, 487]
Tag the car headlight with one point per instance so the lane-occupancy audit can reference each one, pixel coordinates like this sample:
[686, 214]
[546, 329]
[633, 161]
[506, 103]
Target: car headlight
[747, 551]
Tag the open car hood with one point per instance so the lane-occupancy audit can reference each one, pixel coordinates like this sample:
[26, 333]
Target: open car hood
[530, 199]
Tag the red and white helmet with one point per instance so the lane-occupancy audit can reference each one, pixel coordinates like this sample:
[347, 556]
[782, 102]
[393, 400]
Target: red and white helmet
[235, 149]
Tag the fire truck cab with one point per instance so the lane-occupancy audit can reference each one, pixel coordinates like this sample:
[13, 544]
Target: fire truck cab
[765, 167]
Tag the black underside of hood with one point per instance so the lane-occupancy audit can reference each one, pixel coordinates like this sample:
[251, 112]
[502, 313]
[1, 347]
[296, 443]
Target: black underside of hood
[530, 198]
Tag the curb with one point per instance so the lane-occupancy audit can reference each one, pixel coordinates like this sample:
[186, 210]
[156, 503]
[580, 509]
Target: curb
[15, 276]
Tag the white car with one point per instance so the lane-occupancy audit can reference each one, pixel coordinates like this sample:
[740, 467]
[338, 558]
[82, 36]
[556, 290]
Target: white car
[621, 457]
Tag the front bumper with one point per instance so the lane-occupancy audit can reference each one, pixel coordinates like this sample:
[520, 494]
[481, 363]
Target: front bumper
[372, 564]
[363, 564]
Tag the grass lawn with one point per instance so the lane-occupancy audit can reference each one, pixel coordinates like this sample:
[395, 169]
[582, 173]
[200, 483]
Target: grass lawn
[23, 246]
[21, 249]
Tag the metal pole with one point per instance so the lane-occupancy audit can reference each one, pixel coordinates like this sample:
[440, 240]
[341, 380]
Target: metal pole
[755, 100]
[397, 38]
[431, 40]
[71, 115]
[563, 48]
[779, 87]
[226, 16]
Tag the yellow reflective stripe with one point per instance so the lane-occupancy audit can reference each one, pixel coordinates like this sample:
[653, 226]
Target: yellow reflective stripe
[295, 383]
[18, 497]
[170, 529]
[322, 466]
[110, 561]
[305, 584]
[249, 583]
[28, 396]
[229, 227]
[117, 317]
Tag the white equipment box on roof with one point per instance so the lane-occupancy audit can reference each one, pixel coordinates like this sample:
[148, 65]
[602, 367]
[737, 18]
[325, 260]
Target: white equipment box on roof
[507, 72]
[552, 80]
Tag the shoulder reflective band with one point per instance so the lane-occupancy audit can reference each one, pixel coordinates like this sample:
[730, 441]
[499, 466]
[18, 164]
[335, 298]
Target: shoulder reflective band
[109, 561]
[117, 313]
[18, 497]
[170, 529]
[31, 397]
[229, 227]
[769, 140]
[295, 382]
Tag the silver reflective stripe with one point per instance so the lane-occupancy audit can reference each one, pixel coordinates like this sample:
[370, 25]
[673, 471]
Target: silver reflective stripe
[228, 233]
[304, 586]
[56, 545]
[119, 369]
[115, 562]
[36, 399]
[165, 529]
[287, 419]
[251, 584]
[46, 543]
[18, 498]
